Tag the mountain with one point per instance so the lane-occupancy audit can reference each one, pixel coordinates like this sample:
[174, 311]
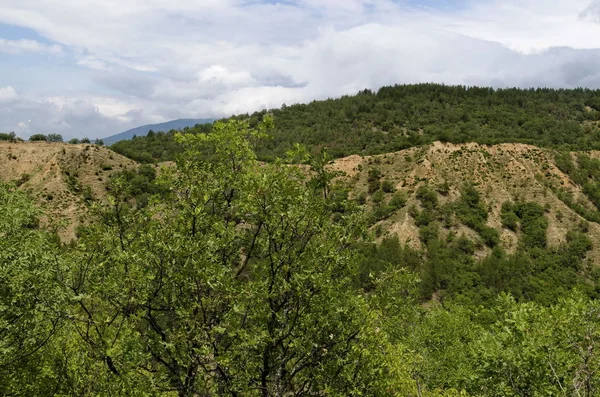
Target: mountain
[178, 124]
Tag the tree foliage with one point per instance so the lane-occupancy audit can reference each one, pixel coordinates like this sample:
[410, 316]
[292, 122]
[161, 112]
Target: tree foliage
[11, 136]
[403, 116]
[54, 138]
[236, 283]
[38, 137]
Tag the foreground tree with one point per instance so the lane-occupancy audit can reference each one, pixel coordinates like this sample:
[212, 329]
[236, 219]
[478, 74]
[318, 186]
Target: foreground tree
[32, 301]
[236, 283]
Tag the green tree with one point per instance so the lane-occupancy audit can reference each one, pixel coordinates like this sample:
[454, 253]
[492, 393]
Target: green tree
[54, 138]
[236, 283]
[38, 137]
[11, 136]
[32, 300]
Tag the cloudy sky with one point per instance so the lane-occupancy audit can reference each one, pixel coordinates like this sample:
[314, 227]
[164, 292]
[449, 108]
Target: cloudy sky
[97, 67]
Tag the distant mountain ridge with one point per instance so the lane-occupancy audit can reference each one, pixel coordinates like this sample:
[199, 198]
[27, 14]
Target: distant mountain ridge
[178, 124]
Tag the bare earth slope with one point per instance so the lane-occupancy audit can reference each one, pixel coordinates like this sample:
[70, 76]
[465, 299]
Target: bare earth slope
[58, 176]
[505, 172]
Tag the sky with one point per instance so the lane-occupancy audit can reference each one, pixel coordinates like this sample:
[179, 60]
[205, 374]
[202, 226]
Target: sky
[98, 67]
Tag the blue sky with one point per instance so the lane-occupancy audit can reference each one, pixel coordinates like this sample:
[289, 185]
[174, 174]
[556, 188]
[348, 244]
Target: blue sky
[97, 67]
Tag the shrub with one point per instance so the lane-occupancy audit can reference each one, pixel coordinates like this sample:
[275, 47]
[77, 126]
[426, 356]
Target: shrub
[361, 199]
[490, 236]
[374, 174]
[374, 186]
[11, 136]
[509, 219]
[38, 137]
[398, 200]
[377, 197]
[388, 187]
[428, 197]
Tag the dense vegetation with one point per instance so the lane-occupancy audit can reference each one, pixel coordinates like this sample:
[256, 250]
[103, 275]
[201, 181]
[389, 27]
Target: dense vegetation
[229, 277]
[449, 270]
[10, 136]
[38, 137]
[398, 117]
[156, 146]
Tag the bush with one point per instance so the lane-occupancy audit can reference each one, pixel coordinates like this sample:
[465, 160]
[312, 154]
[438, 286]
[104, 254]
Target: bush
[374, 175]
[387, 187]
[38, 137]
[380, 212]
[11, 136]
[398, 200]
[428, 197]
[490, 236]
[54, 138]
[509, 219]
[429, 233]
[374, 186]
[377, 197]
[361, 199]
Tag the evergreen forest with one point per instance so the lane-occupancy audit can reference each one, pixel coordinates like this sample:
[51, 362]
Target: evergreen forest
[403, 116]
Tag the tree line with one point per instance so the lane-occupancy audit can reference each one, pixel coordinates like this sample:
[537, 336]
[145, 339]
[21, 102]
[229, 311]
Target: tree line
[402, 116]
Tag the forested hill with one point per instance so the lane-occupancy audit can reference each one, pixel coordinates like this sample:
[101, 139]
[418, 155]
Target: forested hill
[178, 124]
[403, 116]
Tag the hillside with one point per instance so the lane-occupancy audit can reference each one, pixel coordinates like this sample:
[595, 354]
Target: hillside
[178, 124]
[62, 177]
[500, 173]
[58, 174]
[404, 116]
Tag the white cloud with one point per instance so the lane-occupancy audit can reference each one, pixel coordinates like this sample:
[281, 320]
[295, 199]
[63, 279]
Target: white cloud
[22, 46]
[7, 94]
[163, 59]
[93, 63]
[592, 12]
[70, 116]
